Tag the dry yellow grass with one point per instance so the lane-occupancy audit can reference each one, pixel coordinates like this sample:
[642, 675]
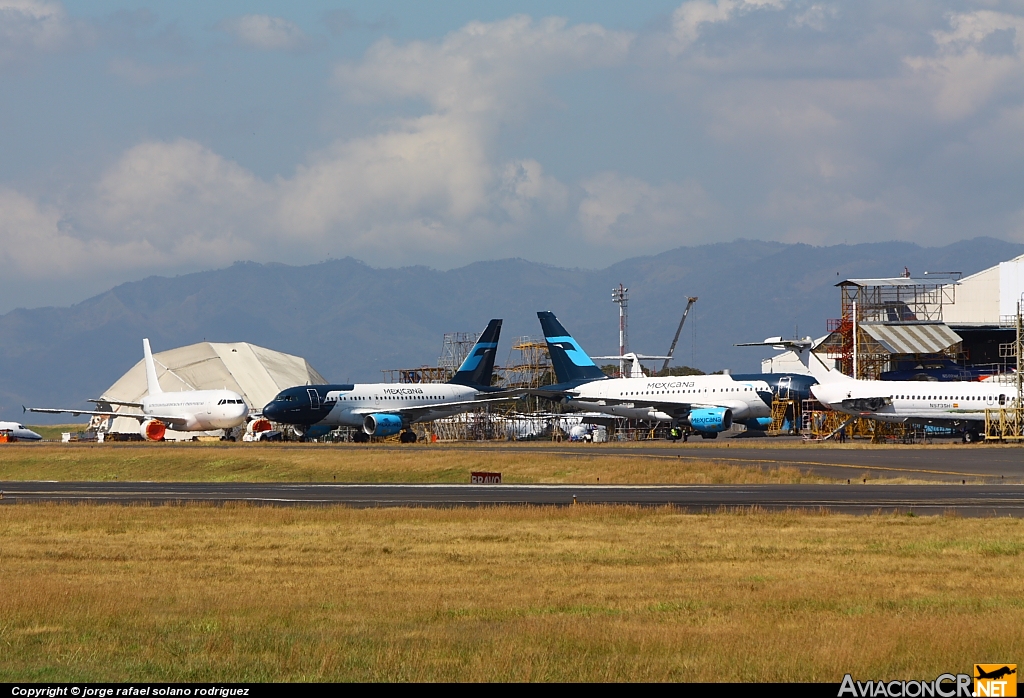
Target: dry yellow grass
[355, 463]
[107, 593]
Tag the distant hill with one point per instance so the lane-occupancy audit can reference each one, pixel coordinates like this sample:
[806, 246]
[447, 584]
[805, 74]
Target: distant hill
[350, 320]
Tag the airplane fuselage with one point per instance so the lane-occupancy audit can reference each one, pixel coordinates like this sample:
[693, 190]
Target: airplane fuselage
[200, 410]
[348, 404]
[915, 401]
[746, 399]
[19, 431]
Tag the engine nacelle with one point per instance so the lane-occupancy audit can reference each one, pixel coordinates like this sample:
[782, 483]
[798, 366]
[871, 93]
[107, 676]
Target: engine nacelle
[710, 419]
[382, 424]
[153, 430]
[758, 423]
[258, 425]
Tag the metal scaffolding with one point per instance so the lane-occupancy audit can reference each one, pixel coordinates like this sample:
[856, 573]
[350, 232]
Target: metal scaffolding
[872, 307]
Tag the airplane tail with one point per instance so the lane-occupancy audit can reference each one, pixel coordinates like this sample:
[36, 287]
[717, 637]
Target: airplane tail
[477, 369]
[152, 384]
[571, 363]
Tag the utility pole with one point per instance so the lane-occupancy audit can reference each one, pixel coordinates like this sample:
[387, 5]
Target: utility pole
[621, 298]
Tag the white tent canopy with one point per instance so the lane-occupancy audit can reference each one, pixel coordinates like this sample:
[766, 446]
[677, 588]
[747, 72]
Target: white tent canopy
[255, 373]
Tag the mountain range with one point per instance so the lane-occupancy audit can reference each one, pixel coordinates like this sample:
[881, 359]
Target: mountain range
[350, 320]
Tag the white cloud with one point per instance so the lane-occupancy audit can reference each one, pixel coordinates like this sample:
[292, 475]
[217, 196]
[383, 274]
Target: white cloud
[426, 185]
[265, 33]
[963, 76]
[484, 68]
[627, 213]
[32, 25]
[689, 18]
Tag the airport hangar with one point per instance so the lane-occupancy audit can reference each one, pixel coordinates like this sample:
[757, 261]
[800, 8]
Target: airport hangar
[905, 322]
[256, 373]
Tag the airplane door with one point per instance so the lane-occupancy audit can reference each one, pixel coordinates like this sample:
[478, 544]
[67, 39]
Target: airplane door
[314, 398]
[1002, 399]
[785, 384]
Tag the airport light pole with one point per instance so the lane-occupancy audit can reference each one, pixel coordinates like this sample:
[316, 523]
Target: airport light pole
[620, 297]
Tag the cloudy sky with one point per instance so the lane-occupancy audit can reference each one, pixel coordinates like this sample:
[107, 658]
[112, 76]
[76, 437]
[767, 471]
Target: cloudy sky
[142, 138]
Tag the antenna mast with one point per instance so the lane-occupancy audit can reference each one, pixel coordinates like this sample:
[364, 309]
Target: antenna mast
[620, 297]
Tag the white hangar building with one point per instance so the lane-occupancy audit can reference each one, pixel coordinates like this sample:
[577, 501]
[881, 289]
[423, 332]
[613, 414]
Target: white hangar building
[255, 373]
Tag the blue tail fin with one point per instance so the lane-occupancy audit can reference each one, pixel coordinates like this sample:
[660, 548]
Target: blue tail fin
[571, 363]
[477, 369]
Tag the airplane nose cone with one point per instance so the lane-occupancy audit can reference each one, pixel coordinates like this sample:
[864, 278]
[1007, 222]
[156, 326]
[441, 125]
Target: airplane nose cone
[272, 411]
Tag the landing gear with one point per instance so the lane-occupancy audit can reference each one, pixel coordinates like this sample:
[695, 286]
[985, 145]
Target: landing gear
[408, 437]
[361, 437]
[971, 437]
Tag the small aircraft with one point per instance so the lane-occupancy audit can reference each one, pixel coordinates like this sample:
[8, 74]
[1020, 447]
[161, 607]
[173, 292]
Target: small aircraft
[185, 410]
[18, 432]
[385, 409]
[708, 404]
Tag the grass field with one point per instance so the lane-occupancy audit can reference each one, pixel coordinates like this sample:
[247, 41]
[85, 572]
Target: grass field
[236, 593]
[355, 463]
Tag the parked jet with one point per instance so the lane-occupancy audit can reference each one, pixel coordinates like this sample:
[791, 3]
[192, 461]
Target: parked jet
[185, 410]
[708, 404]
[953, 404]
[18, 432]
[384, 409]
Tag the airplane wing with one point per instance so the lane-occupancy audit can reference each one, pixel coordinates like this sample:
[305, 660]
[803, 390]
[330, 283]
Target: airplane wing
[104, 401]
[172, 422]
[415, 411]
[676, 409]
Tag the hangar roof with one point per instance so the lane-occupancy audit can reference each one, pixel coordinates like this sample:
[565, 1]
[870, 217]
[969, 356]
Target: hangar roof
[912, 338]
[256, 373]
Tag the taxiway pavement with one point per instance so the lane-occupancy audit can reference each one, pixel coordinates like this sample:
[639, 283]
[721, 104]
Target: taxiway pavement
[965, 500]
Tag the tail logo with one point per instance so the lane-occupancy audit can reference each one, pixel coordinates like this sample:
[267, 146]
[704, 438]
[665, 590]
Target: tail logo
[572, 350]
[477, 355]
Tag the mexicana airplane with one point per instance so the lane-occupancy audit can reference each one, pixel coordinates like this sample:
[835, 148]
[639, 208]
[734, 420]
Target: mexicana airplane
[184, 410]
[19, 432]
[384, 409]
[708, 404]
[953, 404]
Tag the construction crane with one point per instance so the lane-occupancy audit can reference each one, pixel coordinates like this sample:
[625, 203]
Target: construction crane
[690, 301]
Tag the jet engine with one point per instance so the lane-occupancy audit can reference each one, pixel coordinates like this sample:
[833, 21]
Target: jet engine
[710, 419]
[154, 430]
[258, 425]
[382, 424]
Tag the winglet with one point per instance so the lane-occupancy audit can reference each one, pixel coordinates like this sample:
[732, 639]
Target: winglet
[152, 384]
[477, 369]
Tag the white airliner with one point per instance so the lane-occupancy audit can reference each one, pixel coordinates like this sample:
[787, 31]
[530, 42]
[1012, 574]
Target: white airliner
[953, 404]
[185, 410]
[709, 404]
[19, 431]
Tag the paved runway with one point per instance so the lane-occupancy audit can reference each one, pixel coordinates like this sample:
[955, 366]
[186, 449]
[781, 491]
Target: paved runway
[965, 500]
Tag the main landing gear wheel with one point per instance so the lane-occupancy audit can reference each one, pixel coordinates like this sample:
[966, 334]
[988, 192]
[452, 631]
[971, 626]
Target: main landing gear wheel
[361, 437]
[971, 437]
[408, 437]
